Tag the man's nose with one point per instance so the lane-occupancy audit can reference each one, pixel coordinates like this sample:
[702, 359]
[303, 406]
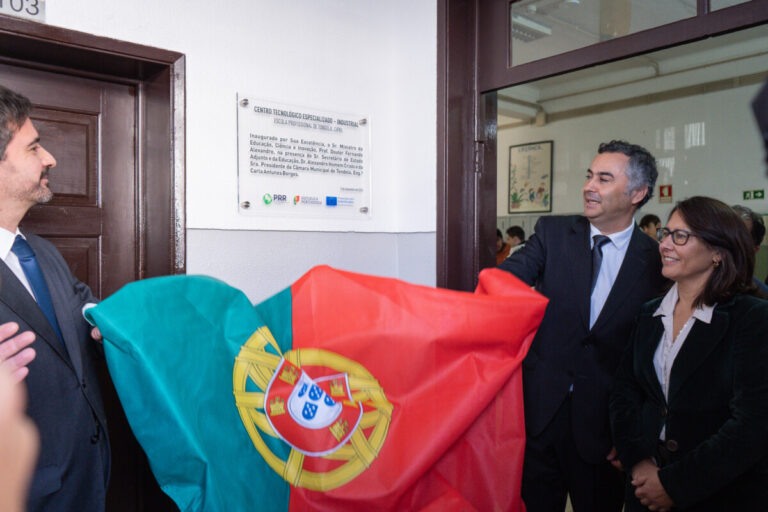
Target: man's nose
[47, 158]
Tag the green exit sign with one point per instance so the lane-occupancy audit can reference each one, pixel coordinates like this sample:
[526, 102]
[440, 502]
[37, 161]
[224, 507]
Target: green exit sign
[754, 194]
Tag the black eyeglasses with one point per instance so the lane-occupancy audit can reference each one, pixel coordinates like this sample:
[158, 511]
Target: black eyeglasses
[679, 236]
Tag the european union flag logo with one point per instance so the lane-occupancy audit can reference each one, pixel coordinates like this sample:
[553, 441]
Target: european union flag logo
[330, 200]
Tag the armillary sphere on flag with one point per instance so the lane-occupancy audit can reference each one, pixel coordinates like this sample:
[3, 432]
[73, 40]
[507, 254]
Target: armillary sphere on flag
[329, 409]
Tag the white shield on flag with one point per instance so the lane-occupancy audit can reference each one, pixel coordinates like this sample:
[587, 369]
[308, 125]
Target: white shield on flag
[310, 406]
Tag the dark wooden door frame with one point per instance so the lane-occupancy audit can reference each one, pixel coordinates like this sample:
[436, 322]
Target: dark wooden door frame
[472, 63]
[159, 77]
[466, 124]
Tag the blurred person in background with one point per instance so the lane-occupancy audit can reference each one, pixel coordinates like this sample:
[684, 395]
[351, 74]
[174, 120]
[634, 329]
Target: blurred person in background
[502, 249]
[756, 229]
[650, 225]
[515, 238]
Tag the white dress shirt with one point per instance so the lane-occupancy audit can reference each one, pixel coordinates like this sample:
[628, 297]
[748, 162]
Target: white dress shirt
[613, 255]
[6, 242]
[669, 345]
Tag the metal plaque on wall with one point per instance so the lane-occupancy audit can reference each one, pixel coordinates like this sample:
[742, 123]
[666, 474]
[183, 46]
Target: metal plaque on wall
[302, 162]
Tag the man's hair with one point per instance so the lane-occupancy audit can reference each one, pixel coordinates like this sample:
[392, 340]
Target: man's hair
[758, 227]
[14, 111]
[720, 227]
[641, 168]
[498, 234]
[649, 219]
[516, 231]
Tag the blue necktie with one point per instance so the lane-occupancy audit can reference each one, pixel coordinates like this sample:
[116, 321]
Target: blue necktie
[31, 269]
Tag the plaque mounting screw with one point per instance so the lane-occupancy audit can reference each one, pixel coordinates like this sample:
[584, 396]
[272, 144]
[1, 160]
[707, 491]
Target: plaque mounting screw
[244, 102]
[364, 209]
[362, 121]
[245, 205]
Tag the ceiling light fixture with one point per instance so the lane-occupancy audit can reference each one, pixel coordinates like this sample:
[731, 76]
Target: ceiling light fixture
[526, 29]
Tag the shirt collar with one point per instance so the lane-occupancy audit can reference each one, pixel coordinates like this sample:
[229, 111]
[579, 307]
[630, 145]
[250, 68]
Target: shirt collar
[667, 307]
[6, 241]
[620, 239]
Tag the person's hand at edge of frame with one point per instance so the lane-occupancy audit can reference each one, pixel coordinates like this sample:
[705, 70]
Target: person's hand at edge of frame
[19, 444]
[15, 350]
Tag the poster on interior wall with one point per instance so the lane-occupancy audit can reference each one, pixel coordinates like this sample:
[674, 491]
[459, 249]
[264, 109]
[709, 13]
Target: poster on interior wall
[302, 162]
[530, 177]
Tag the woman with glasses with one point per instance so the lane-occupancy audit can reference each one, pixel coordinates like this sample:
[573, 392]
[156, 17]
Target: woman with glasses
[689, 407]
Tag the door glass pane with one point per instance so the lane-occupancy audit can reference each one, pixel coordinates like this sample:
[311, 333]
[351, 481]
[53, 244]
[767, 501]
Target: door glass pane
[715, 5]
[543, 28]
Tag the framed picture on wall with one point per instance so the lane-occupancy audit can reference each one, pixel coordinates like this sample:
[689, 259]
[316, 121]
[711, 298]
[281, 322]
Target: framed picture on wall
[530, 177]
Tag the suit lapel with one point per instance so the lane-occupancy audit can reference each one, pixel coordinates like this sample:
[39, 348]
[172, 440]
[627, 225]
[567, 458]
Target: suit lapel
[701, 340]
[61, 306]
[581, 265]
[633, 268]
[17, 298]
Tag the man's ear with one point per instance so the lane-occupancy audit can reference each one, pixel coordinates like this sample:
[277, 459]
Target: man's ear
[639, 194]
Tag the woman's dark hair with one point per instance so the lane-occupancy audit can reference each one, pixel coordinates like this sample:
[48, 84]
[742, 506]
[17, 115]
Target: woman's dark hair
[721, 228]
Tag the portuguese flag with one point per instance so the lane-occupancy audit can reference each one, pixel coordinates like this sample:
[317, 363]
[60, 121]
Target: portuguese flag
[342, 392]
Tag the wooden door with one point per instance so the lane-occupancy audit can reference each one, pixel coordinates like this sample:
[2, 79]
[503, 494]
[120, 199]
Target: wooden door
[90, 127]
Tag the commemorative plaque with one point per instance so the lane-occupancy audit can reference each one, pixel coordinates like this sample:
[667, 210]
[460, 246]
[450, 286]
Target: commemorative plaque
[302, 162]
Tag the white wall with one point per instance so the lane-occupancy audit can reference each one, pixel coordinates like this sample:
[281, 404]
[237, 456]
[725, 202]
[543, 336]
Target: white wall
[366, 56]
[729, 160]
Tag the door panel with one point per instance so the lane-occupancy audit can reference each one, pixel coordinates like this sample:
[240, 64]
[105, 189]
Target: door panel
[81, 254]
[73, 138]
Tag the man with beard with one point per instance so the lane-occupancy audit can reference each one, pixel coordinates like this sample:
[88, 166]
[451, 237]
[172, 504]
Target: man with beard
[596, 270]
[40, 296]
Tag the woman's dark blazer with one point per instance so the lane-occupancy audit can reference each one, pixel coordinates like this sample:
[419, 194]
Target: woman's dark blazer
[716, 416]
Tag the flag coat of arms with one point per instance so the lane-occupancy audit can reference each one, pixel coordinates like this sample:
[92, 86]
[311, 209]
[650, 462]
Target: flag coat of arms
[342, 392]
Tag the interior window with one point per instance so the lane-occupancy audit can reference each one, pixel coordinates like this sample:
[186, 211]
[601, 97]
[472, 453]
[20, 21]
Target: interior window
[542, 28]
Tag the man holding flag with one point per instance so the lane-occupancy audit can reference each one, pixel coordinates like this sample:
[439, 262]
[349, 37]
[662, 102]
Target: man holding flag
[39, 295]
[597, 270]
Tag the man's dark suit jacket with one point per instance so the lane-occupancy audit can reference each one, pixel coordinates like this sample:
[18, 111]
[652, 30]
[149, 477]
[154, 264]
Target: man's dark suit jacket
[716, 414]
[63, 395]
[558, 261]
